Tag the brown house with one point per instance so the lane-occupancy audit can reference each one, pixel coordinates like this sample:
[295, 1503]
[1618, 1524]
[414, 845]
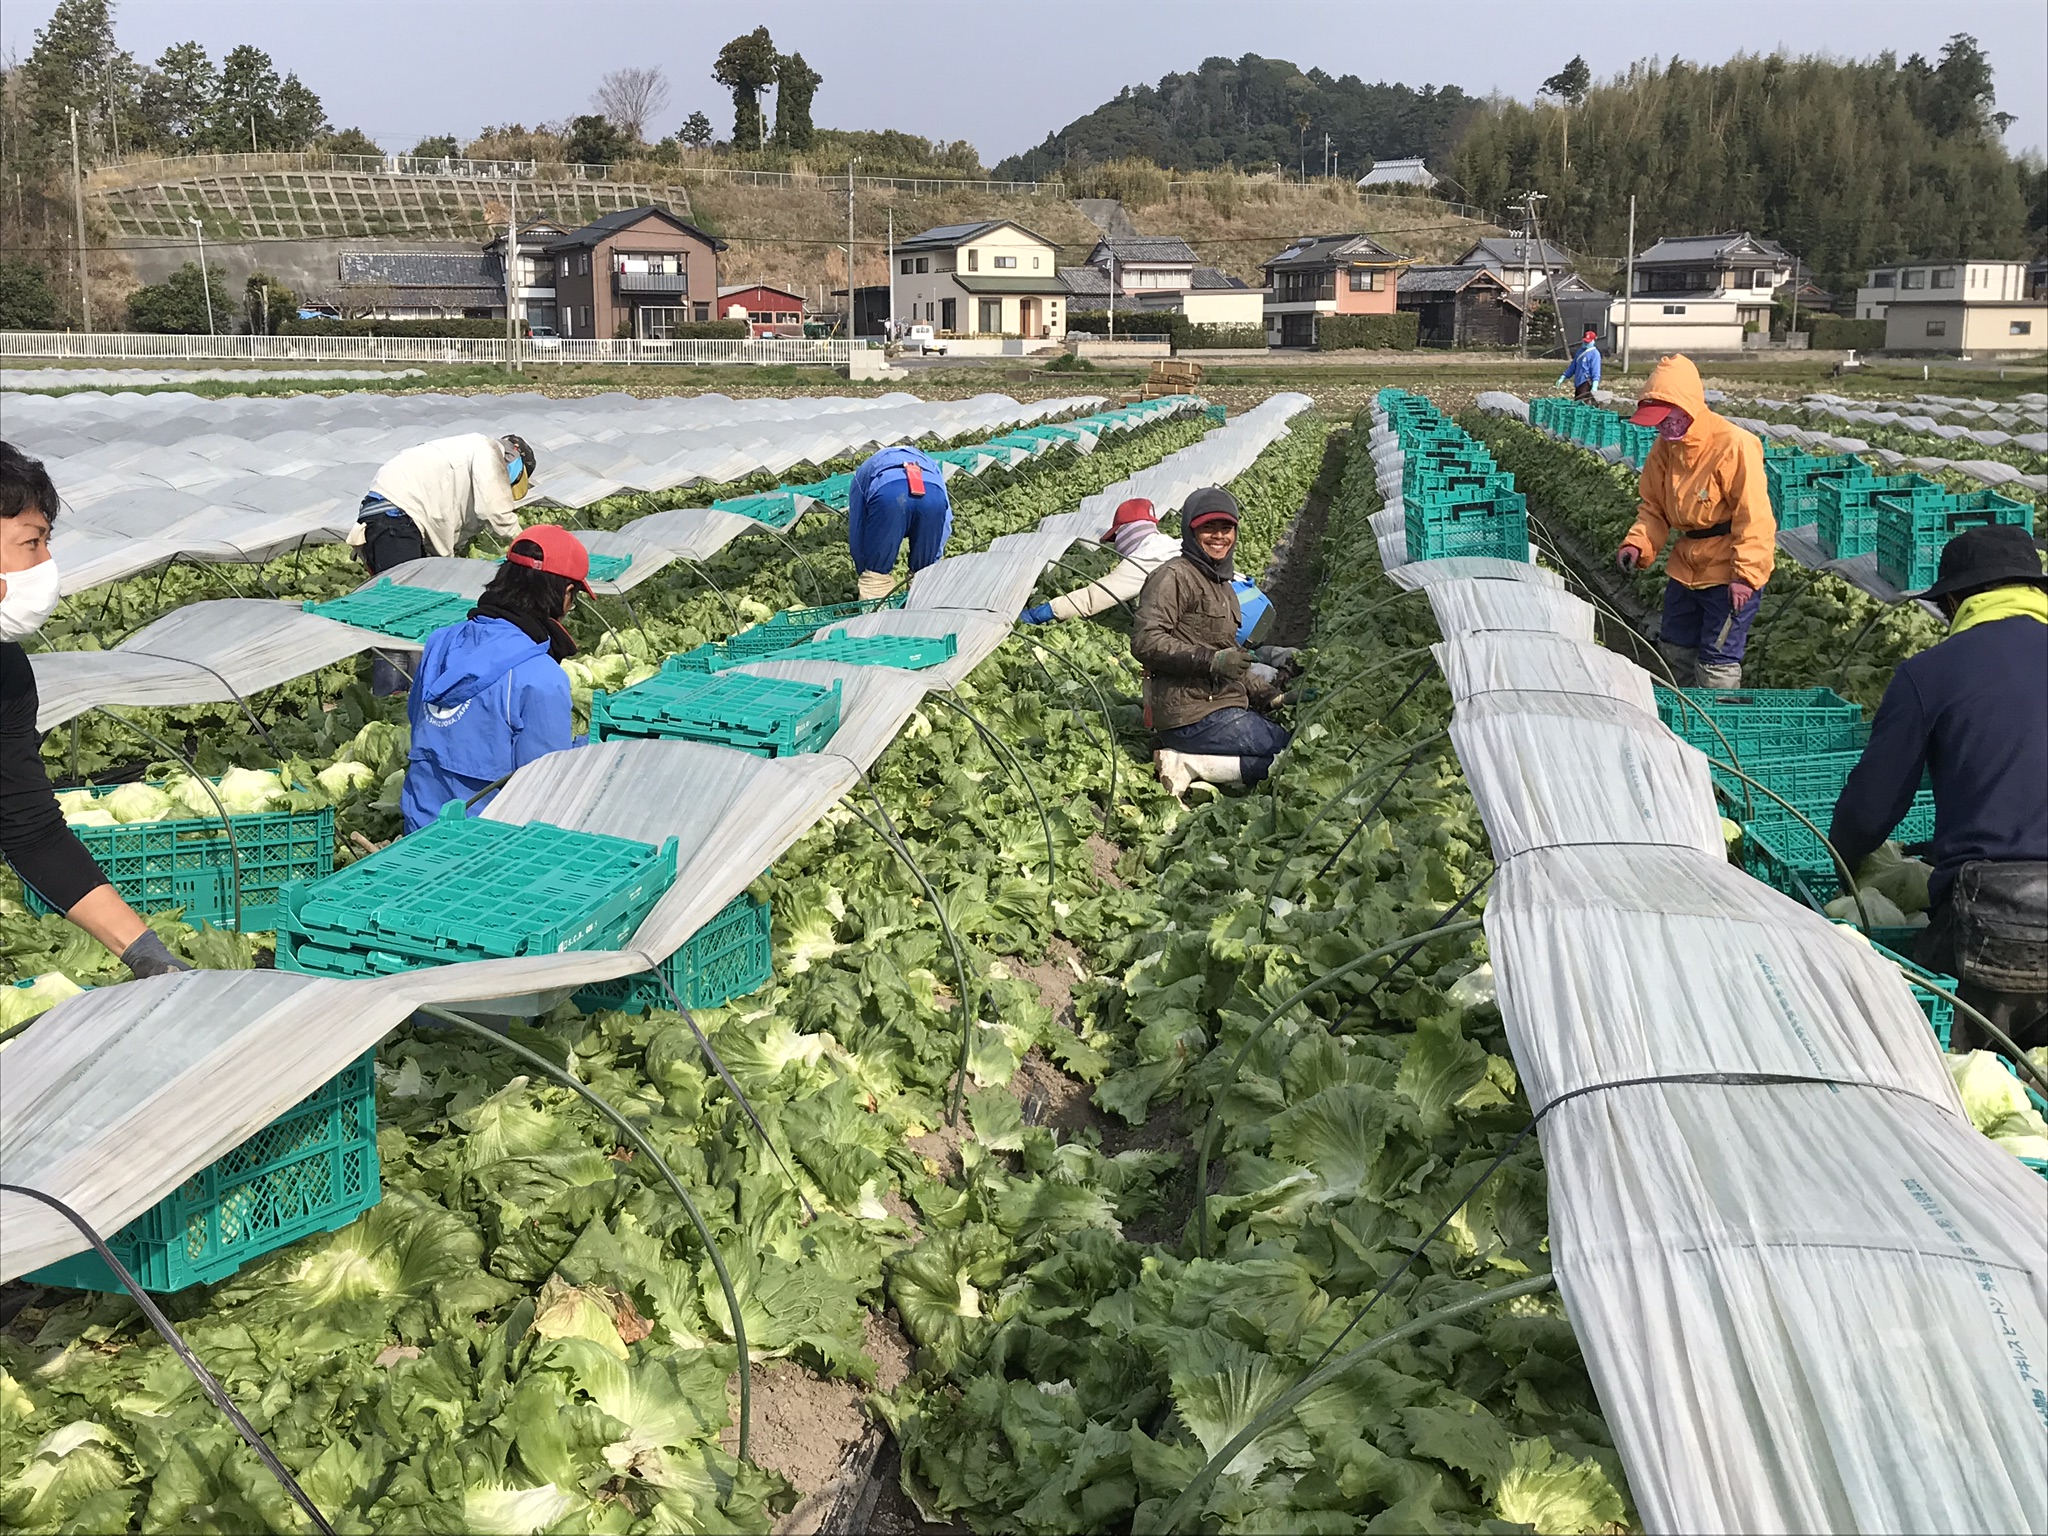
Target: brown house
[1460, 307]
[638, 272]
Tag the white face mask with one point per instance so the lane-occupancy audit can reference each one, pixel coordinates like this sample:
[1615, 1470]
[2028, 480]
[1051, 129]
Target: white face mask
[32, 596]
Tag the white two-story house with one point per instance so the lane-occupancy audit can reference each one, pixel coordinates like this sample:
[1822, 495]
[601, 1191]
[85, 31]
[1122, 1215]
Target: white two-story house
[990, 279]
[1982, 308]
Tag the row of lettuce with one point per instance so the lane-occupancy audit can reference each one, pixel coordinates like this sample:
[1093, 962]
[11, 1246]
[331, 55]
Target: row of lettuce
[524, 1335]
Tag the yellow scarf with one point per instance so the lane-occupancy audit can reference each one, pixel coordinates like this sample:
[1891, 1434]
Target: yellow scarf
[2000, 603]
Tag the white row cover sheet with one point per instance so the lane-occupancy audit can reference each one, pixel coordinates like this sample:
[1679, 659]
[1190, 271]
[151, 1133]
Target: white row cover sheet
[249, 1045]
[1805, 1307]
[199, 477]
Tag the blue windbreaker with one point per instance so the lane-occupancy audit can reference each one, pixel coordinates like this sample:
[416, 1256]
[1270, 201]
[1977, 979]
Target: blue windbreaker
[881, 512]
[486, 700]
[1585, 368]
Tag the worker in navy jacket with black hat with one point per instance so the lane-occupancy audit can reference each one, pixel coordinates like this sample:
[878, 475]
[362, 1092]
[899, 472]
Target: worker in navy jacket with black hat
[1972, 713]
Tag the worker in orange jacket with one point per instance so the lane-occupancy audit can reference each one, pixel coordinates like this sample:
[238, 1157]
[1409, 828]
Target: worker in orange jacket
[1704, 483]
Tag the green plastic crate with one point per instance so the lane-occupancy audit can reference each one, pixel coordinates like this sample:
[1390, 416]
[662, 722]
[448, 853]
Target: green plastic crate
[1941, 1013]
[728, 957]
[1764, 722]
[462, 888]
[1913, 531]
[767, 716]
[1811, 781]
[1468, 531]
[1765, 860]
[387, 608]
[912, 652]
[793, 626]
[188, 863]
[1846, 522]
[609, 567]
[313, 1169]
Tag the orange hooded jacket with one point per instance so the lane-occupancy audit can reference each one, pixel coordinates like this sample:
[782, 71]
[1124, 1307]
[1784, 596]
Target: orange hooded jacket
[1712, 475]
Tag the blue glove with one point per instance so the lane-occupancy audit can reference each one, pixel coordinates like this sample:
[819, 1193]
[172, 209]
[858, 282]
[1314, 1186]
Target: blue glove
[1042, 614]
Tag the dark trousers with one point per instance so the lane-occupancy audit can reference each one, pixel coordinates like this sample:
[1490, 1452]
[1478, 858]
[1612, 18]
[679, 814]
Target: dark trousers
[389, 541]
[1583, 390]
[1994, 949]
[1703, 619]
[1244, 734]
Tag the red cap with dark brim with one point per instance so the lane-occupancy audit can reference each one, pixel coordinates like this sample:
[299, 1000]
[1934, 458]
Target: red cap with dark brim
[1591, 336]
[544, 547]
[1651, 413]
[1210, 504]
[1136, 510]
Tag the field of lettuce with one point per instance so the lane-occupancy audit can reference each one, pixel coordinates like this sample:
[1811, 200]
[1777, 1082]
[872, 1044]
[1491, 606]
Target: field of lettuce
[1185, 1182]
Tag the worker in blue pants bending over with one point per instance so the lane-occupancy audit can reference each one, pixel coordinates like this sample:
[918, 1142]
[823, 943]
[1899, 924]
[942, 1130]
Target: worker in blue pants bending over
[898, 494]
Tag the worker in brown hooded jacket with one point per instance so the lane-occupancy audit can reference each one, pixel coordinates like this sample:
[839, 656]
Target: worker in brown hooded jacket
[1703, 491]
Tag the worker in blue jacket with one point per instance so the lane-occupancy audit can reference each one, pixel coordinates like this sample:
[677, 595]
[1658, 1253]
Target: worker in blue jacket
[490, 694]
[1972, 713]
[898, 494]
[1584, 372]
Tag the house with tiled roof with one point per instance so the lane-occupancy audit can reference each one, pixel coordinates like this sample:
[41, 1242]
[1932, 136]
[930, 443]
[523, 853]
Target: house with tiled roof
[1460, 306]
[419, 285]
[1161, 273]
[1321, 275]
[994, 278]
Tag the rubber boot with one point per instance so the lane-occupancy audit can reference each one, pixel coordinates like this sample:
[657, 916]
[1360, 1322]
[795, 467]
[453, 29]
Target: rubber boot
[1683, 660]
[1173, 772]
[1213, 770]
[1723, 674]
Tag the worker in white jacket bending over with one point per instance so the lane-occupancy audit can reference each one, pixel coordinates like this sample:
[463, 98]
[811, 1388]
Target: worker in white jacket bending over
[1135, 533]
[432, 499]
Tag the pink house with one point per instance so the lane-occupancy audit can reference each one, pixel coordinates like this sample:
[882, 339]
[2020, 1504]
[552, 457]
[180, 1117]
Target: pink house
[1327, 275]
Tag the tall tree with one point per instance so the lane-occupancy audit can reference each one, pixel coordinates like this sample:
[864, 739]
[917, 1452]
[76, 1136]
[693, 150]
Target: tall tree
[299, 118]
[795, 84]
[696, 130]
[71, 66]
[595, 140]
[178, 96]
[244, 115]
[746, 66]
[632, 99]
[1569, 86]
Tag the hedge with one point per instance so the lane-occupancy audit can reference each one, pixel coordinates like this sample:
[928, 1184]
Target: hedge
[1835, 333]
[483, 330]
[1341, 333]
[1185, 334]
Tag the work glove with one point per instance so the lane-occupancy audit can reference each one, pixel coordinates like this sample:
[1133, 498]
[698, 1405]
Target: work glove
[1042, 614]
[1740, 595]
[1276, 655]
[1629, 558]
[1231, 664]
[150, 956]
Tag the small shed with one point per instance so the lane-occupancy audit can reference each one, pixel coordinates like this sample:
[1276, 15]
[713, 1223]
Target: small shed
[1460, 306]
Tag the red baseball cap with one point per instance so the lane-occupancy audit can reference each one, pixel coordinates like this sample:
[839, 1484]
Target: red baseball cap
[1591, 335]
[545, 547]
[1651, 413]
[1210, 504]
[1136, 510]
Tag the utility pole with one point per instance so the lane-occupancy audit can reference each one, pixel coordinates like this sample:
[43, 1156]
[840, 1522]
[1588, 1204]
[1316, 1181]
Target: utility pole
[512, 270]
[892, 273]
[252, 130]
[1529, 310]
[78, 206]
[266, 310]
[852, 319]
[205, 282]
[1628, 287]
[1112, 293]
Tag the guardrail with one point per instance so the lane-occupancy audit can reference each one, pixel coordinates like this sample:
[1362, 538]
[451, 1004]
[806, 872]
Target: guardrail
[127, 346]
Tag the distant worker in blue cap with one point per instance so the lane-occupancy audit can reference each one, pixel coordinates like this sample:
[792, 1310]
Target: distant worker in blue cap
[898, 494]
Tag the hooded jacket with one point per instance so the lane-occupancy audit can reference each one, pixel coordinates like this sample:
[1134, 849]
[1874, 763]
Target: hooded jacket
[1186, 614]
[1712, 475]
[487, 699]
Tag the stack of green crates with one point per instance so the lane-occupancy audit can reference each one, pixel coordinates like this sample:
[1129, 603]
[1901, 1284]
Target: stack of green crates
[462, 888]
[1636, 443]
[766, 716]
[1846, 520]
[1914, 526]
[728, 957]
[192, 864]
[1457, 500]
[1758, 723]
[311, 1170]
[1794, 485]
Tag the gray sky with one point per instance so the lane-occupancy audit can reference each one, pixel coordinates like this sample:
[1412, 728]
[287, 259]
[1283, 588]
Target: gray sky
[404, 69]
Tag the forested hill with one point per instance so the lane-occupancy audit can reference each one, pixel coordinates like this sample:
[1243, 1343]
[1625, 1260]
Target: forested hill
[1846, 162]
[1252, 112]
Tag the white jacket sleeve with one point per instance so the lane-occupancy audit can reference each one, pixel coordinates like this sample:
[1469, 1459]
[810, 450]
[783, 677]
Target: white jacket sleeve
[1123, 582]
